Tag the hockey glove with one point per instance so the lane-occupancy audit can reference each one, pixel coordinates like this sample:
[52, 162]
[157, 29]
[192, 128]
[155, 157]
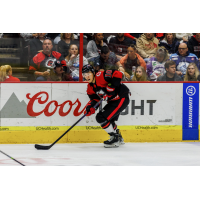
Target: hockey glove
[89, 110]
[101, 93]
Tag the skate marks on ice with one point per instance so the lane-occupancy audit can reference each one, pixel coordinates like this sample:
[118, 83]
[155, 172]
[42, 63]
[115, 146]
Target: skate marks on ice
[94, 154]
[33, 161]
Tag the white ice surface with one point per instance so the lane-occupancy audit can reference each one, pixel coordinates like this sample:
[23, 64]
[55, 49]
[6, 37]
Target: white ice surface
[94, 154]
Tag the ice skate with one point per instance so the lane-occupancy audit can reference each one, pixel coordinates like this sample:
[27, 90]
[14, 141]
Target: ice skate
[121, 140]
[106, 141]
[112, 142]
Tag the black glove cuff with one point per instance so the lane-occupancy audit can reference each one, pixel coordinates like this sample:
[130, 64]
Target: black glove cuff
[88, 108]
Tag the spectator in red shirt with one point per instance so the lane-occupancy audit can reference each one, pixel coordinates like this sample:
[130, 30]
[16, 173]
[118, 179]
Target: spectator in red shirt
[41, 64]
[6, 74]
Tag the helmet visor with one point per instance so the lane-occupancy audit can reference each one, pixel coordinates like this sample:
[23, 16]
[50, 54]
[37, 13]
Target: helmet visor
[86, 74]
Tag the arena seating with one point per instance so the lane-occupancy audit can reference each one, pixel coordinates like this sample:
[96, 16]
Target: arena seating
[11, 52]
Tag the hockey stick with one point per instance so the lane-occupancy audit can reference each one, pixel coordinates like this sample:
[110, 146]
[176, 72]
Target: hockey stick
[12, 158]
[37, 146]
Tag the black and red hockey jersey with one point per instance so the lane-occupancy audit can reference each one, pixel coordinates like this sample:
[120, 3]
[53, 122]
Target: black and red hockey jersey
[41, 62]
[107, 82]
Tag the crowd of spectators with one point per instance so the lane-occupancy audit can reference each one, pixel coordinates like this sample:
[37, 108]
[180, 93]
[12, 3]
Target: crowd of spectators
[139, 56]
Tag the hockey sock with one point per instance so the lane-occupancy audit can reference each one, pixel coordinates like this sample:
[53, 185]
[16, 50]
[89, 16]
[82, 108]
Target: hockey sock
[108, 128]
[114, 126]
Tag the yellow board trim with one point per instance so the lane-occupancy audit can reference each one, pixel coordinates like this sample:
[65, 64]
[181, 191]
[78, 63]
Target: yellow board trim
[88, 134]
[59, 128]
[83, 134]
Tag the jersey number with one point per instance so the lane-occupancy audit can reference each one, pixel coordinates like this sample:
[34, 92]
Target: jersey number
[108, 73]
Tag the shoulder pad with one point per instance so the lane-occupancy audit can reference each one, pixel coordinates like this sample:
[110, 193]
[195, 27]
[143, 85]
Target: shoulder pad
[117, 74]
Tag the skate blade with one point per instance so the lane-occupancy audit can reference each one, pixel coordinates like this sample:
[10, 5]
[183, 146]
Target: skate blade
[114, 145]
[121, 142]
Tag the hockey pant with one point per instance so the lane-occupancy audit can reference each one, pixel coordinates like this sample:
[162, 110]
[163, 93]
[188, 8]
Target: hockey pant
[110, 113]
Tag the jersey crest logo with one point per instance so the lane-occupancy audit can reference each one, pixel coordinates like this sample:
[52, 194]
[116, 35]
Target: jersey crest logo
[50, 63]
[98, 74]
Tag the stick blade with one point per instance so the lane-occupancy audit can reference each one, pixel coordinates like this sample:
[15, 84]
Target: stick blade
[41, 147]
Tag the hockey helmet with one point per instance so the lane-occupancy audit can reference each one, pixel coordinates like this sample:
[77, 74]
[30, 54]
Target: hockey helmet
[88, 68]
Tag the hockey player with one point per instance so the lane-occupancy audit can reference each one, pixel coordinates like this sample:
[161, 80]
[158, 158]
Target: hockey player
[107, 85]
